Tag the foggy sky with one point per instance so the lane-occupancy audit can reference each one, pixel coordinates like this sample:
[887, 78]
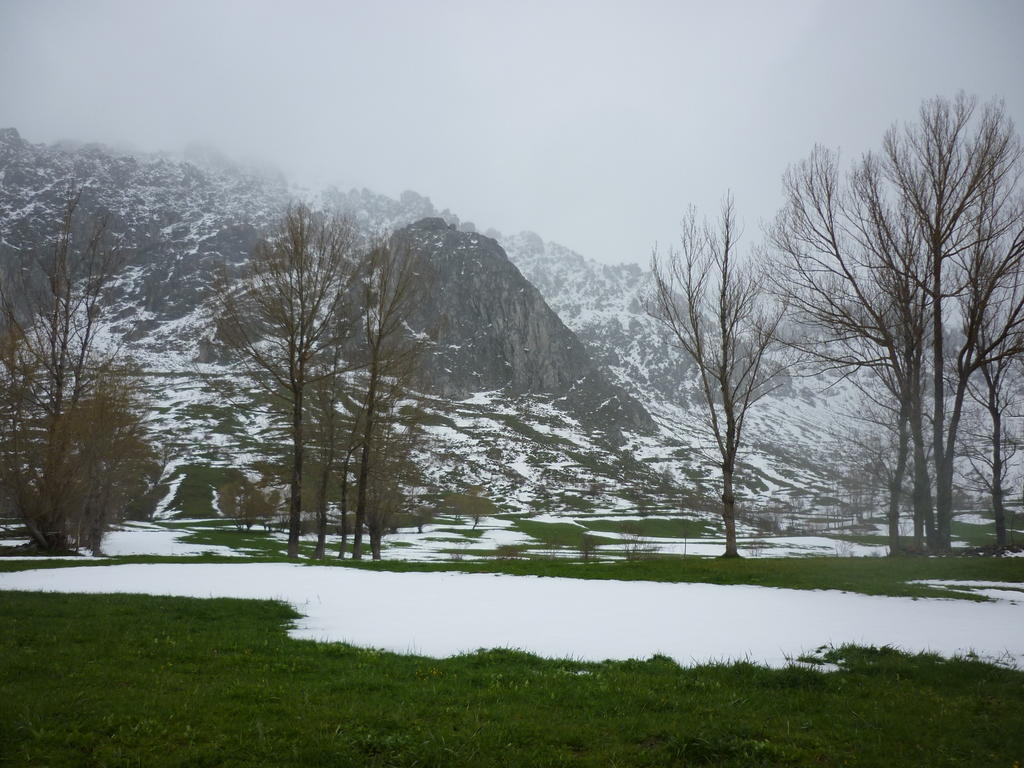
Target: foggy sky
[593, 123]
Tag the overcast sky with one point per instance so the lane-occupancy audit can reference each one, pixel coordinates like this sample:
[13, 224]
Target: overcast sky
[592, 123]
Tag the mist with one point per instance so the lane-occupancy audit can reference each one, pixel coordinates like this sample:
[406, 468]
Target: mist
[594, 124]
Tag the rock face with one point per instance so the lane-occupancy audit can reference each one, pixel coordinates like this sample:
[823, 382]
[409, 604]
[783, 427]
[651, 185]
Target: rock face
[492, 330]
[175, 221]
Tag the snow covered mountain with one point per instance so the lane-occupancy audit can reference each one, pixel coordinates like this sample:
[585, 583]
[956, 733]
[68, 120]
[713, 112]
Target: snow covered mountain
[552, 385]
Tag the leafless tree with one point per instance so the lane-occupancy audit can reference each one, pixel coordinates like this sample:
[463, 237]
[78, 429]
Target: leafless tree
[904, 264]
[393, 474]
[997, 446]
[329, 430]
[849, 264]
[389, 288]
[871, 454]
[957, 172]
[347, 453]
[282, 319]
[73, 446]
[714, 305]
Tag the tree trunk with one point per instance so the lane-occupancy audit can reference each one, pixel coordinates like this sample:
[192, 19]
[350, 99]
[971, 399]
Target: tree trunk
[375, 539]
[295, 507]
[940, 540]
[364, 467]
[344, 503]
[360, 515]
[944, 476]
[998, 510]
[896, 484]
[922, 491]
[38, 535]
[321, 512]
[942, 451]
[729, 510]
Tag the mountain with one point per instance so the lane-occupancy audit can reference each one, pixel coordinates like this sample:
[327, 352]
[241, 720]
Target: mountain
[547, 382]
[491, 329]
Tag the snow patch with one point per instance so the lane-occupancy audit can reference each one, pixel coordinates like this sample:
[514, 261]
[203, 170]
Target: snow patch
[442, 614]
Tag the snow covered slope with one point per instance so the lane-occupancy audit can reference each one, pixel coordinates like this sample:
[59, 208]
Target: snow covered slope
[529, 442]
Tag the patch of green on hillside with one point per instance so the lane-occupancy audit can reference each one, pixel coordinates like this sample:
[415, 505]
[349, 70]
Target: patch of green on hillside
[195, 495]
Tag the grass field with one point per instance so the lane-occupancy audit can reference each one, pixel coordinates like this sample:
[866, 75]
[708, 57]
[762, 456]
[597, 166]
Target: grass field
[130, 680]
[869, 575]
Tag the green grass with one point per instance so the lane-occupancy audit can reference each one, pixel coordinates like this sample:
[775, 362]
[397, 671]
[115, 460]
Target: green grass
[256, 541]
[868, 575]
[129, 680]
[675, 527]
[195, 494]
[558, 534]
[458, 533]
[971, 534]
[975, 535]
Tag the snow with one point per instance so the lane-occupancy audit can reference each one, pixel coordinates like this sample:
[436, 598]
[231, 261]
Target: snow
[143, 539]
[770, 546]
[498, 537]
[523, 467]
[550, 519]
[437, 541]
[162, 509]
[993, 590]
[482, 398]
[974, 519]
[15, 543]
[442, 614]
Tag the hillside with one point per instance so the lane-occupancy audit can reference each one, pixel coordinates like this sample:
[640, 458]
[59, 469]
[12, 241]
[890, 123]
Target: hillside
[550, 385]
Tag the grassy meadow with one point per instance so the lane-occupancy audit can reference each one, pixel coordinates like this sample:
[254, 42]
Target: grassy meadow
[97, 680]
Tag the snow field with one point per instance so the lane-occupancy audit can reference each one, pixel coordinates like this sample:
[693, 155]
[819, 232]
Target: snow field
[443, 614]
[150, 539]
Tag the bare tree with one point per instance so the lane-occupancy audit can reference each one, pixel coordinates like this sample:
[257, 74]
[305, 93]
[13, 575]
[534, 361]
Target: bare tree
[347, 452]
[327, 438]
[849, 264]
[73, 446]
[389, 288]
[713, 304]
[872, 451]
[393, 474]
[905, 264]
[996, 394]
[957, 172]
[282, 319]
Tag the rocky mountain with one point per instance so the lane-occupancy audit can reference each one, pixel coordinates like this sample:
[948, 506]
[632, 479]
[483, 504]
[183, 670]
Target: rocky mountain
[175, 220]
[548, 382]
[491, 329]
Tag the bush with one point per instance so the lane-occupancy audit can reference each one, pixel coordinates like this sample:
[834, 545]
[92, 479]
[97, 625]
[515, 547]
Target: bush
[510, 551]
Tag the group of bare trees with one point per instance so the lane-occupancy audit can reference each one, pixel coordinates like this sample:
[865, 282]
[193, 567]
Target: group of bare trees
[74, 451]
[318, 322]
[903, 272]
